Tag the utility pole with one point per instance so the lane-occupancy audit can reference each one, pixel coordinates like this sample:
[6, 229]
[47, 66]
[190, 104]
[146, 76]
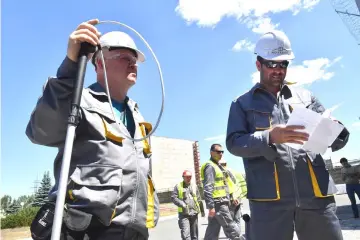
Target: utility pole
[36, 182]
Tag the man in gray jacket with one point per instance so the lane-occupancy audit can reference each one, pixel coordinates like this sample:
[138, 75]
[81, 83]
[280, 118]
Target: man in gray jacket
[218, 197]
[287, 188]
[110, 193]
[185, 198]
[351, 177]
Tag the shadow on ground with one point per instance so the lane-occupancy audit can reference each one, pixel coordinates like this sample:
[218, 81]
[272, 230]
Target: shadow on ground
[346, 217]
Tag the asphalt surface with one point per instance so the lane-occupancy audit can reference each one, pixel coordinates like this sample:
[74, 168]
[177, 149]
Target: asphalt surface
[168, 228]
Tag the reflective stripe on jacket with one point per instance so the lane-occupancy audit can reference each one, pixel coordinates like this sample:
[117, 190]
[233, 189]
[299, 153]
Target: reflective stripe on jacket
[219, 183]
[180, 188]
[109, 174]
[231, 181]
[275, 171]
[239, 184]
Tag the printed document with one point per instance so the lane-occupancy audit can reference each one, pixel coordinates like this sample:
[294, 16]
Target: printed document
[321, 129]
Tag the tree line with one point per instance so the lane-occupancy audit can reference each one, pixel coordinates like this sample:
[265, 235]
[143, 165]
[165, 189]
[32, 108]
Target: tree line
[11, 205]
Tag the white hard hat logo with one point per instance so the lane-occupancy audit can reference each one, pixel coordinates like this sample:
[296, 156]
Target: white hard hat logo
[280, 50]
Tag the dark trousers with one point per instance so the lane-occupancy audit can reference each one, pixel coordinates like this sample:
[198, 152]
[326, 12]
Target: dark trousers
[189, 227]
[351, 189]
[276, 223]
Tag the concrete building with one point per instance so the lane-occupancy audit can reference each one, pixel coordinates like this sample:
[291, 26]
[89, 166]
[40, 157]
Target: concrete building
[170, 158]
[328, 164]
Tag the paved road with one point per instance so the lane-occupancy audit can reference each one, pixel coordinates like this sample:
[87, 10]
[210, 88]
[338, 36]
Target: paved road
[168, 229]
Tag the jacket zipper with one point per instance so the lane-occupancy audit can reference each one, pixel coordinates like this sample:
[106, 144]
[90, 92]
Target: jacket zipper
[288, 150]
[136, 186]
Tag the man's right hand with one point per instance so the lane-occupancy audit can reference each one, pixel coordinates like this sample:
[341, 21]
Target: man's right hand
[287, 134]
[85, 32]
[212, 212]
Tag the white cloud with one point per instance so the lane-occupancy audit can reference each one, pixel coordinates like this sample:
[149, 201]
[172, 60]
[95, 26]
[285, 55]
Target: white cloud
[207, 13]
[309, 4]
[261, 25]
[243, 45]
[308, 72]
[220, 138]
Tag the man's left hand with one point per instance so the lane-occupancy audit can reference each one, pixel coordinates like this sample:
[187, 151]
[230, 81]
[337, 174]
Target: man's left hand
[236, 202]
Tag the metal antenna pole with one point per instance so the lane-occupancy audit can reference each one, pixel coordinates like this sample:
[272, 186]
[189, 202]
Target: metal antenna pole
[73, 122]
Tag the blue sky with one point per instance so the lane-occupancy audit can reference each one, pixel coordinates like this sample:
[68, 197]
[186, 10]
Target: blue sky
[206, 59]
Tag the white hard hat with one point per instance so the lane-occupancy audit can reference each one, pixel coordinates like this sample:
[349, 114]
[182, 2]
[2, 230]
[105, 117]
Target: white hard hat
[120, 39]
[274, 45]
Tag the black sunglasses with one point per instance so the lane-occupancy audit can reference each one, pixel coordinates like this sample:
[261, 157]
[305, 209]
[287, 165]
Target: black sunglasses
[218, 151]
[273, 64]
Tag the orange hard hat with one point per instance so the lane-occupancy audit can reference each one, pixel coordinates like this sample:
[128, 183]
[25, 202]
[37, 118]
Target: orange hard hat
[187, 173]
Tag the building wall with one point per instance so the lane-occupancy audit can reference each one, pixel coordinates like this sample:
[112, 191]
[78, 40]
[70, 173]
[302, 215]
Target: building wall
[335, 173]
[170, 158]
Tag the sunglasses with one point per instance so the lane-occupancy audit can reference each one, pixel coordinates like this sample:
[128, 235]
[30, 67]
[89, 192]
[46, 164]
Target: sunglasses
[129, 58]
[217, 151]
[273, 64]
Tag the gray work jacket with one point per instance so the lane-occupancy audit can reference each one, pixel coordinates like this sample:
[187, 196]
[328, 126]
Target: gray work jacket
[275, 172]
[109, 174]
[208, 184]
[351, 174]
[188, 199]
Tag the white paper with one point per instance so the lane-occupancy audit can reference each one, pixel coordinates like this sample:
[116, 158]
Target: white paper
[322, 130]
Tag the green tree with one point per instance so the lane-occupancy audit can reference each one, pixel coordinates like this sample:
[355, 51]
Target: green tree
[5, 202]
[41, 195]
[26, 201]
[13, 208]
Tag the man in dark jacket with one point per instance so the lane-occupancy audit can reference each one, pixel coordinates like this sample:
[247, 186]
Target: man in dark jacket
[286, 187]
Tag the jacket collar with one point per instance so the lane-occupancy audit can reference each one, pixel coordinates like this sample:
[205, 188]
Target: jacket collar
[285, 90]
[98, 92]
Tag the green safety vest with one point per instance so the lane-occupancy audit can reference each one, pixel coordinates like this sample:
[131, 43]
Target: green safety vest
[230, 183]
[240, 186]
[180, 188]
[219, 184]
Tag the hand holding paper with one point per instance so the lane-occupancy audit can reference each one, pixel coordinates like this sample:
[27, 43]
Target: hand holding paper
[288, 134]
[322, 130]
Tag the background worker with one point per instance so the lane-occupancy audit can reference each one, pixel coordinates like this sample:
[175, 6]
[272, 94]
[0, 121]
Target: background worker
[185, 198]
[110, 194]
[286, 187]
[217, 197]
[237, 190]
[351, 177]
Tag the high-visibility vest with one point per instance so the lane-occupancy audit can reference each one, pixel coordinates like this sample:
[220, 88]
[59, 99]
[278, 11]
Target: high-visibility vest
[220, 182]
[240, 186]
[231, 183]
[180, 188]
